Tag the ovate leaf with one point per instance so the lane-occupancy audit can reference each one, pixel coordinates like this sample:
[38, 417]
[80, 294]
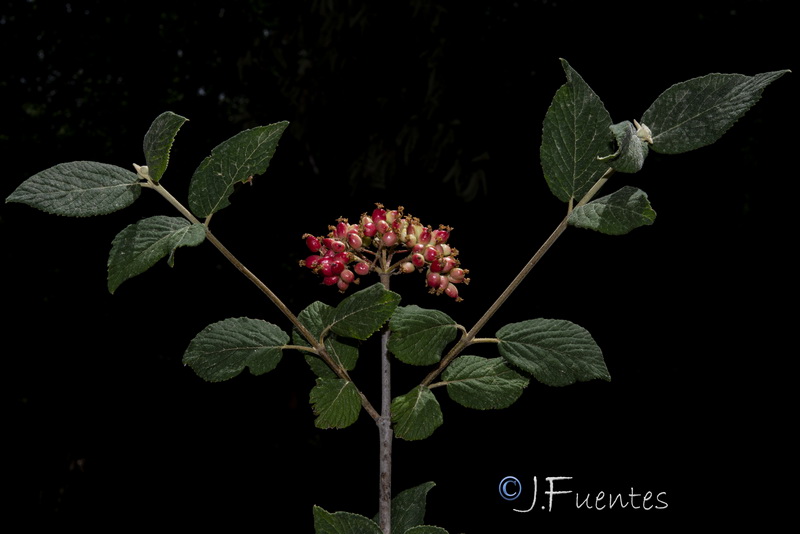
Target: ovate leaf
[408, 507]
[343, 523]
[416, 414]
[419, 336]
[246, 154]
[363, 313]
[139, 246]
[158, 142]
[336, 403]
[425, 529]
[615, 214]
[79, 189]
[483, 383]
[575, 132]
[222, 350]
[342, 350]
[555, 352]
[697, 112]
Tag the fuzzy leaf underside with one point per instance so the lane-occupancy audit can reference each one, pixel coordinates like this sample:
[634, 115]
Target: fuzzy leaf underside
[416, 414]
[158, 142]
[631, 149]
[336, 403]
[363, 313]
[697, 112]
[343, 523]
[246, 154]
[615, 214]
[554, 351]
[140, 246]
[222, 350]
[79, 189]
[419, 336]
[482, 383]
[575, 133]
[341, 350]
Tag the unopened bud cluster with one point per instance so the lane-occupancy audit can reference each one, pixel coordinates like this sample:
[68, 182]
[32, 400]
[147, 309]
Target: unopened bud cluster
[351, 250]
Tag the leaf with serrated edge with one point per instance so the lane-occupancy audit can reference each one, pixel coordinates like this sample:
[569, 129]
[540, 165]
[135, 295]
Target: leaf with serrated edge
[361, 314]
[483, 384]
[79, 189]
[574, 133]
[408, 507]
[336, 403]
[425, 529]
[419, 336]
[615, 214]
[140, 246]
[246, 154]
[697, 112]
[158, 142]
[222, 350]
[554, 351]
[343, 523]
[416, 414]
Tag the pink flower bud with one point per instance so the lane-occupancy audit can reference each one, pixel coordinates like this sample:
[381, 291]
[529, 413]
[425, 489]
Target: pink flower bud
[441, 235]
[383, 226]
[452, 291]
[430, 254]
[370, 229]
[312, 261]
[379, 214]
[354, 240]
[330, 280]
[347, 276]
[457, 275]
[342, 285]
[432, 279]
[407, 267]
[418, 260]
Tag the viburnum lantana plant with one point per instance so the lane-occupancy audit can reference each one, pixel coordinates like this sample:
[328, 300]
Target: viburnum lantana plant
[581, 149]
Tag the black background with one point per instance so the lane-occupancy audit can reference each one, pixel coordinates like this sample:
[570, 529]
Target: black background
[104, 425]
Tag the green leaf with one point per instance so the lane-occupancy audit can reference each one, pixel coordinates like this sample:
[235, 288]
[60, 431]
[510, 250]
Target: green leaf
[631, 150]
[416, 414]
[575, 132]
[363, 313]
[315, 318]
[419, 336]
[139, 246]
[697, 112]
[426, 529]
[222, 350]
[158, 142]
[615, 214]
[336, 403]
[555, 352]
[343, 523]
[79, 189]
[233, 161]
[408, 507]
[483, 384]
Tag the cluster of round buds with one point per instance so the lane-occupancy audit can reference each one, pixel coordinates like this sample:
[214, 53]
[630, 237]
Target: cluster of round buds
[372, 244]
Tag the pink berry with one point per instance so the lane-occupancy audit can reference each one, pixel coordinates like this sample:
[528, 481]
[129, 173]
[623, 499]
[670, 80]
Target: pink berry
[451, 291]
[362, 268]
[312, 243]
[330, 280]
[407, 267]
[418, 260]
[354, 240]
[347, 276]
[432, 279]
[389, 239]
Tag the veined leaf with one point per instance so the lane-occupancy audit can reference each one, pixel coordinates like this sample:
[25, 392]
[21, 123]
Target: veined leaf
[336, 403]
[416, 414]
[575, 133]
[697, 112]
[222, 350]
[555, 352]
[343, 523]
[408, 508]
[79, 189]
[363, 313]
[139, 246]
[425, 529]
[158, 142]
[615, 214]
[419, 336]
[342, 350]
[482, 383]
[631, 149]
[233, 161]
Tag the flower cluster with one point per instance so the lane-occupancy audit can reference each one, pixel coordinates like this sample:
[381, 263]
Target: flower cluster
[373, 243]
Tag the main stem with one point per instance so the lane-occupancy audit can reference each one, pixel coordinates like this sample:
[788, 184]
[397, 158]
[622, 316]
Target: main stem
[385, 434]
